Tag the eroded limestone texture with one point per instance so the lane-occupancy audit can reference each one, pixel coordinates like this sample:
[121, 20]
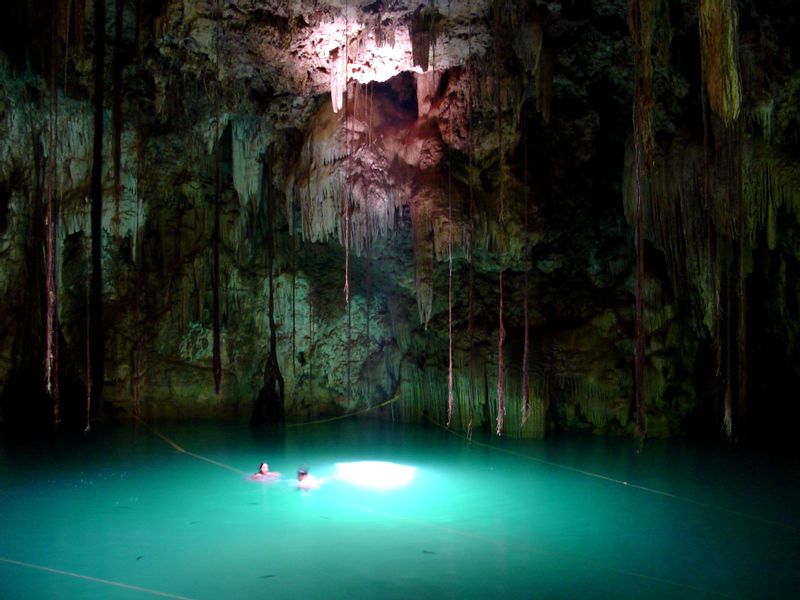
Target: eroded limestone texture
[390, 136]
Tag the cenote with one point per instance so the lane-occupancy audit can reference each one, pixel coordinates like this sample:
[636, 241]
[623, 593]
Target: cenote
[127, 515]
[515, 282]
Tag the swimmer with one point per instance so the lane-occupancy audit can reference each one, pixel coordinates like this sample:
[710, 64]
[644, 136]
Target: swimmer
[264, 473]
[307, 482]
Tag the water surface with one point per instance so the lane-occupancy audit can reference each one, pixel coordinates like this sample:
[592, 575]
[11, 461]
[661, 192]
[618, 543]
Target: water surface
[167, 511]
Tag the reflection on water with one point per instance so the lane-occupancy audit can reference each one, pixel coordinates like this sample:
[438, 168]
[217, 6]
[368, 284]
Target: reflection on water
[569, 517]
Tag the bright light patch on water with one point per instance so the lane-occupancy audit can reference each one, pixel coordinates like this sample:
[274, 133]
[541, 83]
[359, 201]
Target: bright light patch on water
[375, 474]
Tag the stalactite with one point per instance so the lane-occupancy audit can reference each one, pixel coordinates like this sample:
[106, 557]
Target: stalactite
[424, 394]
[423, 258]
[587, 396]
[707, 203]
[679, 223]
[528, 43]
[327, 172]
[96, 341]
[723, 194]
[338, 78]
[116, 111]
[249, 142]
[250, 137]
[544, 84]
[719, 51]
[422, 31]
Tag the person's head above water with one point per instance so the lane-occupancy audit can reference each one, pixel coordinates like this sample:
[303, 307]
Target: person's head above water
[264, 473]
[307, 482]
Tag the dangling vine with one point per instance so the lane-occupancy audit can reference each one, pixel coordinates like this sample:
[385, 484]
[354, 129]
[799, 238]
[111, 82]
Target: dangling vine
[269, 405]
[294, 309]
[368, 304]
[347, 200]
[137, 316]
[526, 340]
[741, 333]
[470, 246]
[640, 22]
[501, 332]
[51, 318]
[347, 175]
[96, 367]
[215, 233]
[116, 113]
[449, 269]
[368, 274]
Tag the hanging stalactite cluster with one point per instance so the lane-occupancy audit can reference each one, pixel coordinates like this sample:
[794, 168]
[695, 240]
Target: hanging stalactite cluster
[701, 213]
[722, 191]
[451, 174]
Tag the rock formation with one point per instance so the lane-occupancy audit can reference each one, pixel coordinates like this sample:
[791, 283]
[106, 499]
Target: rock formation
[416, 157]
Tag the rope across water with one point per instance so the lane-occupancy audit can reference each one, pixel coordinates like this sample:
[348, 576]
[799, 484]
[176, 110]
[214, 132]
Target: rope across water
[110, 582]
[470, 441]
[614, 480]
[488, 539]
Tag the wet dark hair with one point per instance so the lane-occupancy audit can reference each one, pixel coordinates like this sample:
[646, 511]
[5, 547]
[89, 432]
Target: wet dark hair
[302, 471]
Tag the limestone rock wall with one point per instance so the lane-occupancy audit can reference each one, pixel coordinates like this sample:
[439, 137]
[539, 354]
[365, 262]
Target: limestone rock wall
[412, 153]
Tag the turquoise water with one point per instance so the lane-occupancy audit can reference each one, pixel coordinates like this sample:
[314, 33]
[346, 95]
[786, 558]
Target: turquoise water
[123, 514]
